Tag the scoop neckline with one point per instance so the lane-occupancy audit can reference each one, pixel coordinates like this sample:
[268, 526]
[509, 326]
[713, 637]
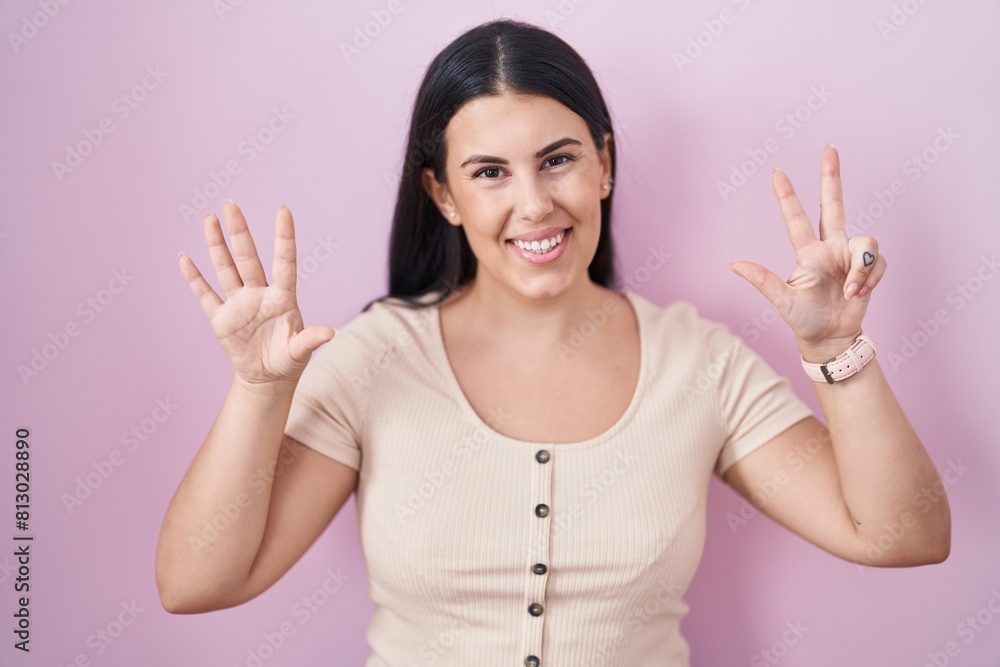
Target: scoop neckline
[455, 388]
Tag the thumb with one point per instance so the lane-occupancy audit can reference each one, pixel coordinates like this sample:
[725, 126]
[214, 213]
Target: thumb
[766, 282]
[305, 342]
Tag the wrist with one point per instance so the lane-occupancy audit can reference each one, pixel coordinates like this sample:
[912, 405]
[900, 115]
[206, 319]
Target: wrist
[270, 390]
[821, 351]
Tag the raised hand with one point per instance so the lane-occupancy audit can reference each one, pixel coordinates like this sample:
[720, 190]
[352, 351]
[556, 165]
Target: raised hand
[827, 295]
[259, 326]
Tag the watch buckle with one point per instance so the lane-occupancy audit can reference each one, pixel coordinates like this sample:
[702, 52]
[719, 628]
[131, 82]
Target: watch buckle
[825, 372]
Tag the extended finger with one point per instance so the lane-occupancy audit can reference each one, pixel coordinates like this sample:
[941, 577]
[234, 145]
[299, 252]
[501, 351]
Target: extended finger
[207, 297]
[244, 250]
[305, 342]
[800, 230]
[766, 281]
[831, 195]
[864, 256]
[283, 266]
[225, 267]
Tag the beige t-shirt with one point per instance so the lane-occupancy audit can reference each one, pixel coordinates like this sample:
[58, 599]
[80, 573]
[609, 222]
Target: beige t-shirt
[482, 549]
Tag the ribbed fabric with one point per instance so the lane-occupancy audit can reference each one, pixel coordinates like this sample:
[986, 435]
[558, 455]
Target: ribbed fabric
[449, 509]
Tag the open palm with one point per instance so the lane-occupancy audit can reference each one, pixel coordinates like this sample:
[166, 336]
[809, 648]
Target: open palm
[259, 326]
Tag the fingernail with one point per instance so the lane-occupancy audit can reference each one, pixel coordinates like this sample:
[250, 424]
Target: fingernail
[228, 200]
[864, 290]
[180, 254]
[283, 205]
[210, 214]
[831, 146]
[774, 169]
[851, 290]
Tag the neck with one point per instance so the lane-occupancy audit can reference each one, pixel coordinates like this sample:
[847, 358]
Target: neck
[529, 323]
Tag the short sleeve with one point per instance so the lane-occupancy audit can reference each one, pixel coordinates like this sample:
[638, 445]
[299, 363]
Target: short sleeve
[755, 403]
[331, 398]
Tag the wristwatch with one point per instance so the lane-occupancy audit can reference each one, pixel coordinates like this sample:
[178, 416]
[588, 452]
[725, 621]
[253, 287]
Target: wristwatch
[861, 351]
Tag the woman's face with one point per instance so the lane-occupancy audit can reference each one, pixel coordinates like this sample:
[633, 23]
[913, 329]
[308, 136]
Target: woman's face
[524, 168]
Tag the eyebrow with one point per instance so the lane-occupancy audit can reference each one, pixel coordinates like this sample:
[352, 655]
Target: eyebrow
[555, 145]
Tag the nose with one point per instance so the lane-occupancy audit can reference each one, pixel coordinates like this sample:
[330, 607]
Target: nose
[534, 201]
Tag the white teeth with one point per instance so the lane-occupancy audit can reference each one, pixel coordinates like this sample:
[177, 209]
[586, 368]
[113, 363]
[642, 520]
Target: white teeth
[540, 247]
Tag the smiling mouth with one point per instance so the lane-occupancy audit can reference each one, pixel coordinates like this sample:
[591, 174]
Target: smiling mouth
[542, 247]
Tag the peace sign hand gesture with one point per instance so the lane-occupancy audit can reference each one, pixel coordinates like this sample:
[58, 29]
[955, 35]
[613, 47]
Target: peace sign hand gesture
[825, 298]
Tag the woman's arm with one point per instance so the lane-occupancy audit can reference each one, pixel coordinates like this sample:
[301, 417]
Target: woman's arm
[252, 500]
[864, 488]
[251, 503]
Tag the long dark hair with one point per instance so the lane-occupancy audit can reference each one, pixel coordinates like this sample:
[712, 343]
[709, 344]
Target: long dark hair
[426, 253]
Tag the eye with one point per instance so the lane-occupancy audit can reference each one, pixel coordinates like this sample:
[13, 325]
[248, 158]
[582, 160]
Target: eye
[485, 170]
[567, 158]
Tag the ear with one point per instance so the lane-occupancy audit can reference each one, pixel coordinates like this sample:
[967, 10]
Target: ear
[605, 157]
[439, 194]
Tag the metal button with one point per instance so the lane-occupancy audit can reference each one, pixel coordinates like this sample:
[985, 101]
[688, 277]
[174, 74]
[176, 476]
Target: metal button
[532, 661]
[539, 568]
[535, 609]
[542, 456]
[542, 510]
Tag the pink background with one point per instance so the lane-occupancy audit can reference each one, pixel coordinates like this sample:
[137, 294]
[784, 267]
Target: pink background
[680, 131]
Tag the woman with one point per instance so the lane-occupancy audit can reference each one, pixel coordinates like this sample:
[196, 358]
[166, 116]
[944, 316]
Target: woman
[531, 449]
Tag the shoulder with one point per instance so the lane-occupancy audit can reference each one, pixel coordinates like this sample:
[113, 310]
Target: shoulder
[679, 338]
[677, 320]
[387, 317]
[373, 336]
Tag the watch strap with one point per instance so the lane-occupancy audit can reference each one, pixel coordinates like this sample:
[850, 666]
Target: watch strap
[849, 363]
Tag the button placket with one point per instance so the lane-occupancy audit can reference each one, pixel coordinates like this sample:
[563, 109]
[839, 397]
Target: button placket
[537, 569]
